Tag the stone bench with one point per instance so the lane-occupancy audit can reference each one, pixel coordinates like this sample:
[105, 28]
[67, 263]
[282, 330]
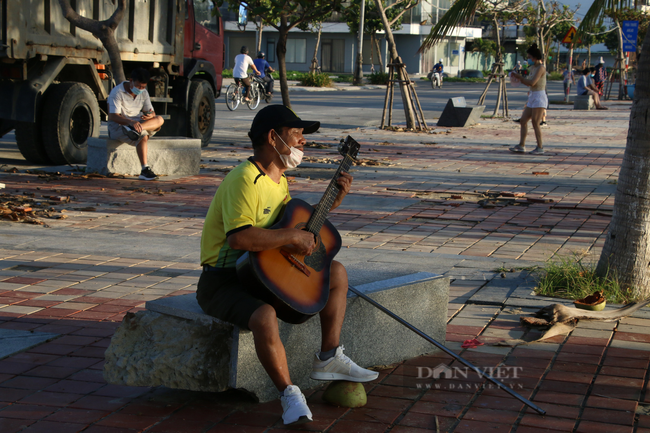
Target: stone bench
[166, 156]
[174, 344]
[584, 102]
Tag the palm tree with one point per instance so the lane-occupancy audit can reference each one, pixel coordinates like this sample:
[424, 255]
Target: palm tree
[626, 253]
[485, 47]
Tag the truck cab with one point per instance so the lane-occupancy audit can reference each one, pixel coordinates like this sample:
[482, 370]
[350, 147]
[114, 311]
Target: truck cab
[55, 78]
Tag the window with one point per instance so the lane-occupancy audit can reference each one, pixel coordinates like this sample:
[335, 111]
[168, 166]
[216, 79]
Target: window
[296, 50]
[270, 51]
[203, 15]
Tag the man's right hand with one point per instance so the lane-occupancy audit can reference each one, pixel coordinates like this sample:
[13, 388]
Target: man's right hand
[303, 242]
[137, 126]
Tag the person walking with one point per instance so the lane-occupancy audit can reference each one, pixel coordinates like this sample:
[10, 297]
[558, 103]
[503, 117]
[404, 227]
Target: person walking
[537, 101]
[568, 78]
[600, 76]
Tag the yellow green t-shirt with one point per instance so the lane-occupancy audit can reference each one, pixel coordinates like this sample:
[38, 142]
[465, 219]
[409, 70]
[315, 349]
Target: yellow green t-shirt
[246, 197]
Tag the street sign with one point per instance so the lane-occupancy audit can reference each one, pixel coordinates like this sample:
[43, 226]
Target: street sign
[570, 36]
[630, 35]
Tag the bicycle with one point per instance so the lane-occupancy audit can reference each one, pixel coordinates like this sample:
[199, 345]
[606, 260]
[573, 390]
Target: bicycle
[235, 95]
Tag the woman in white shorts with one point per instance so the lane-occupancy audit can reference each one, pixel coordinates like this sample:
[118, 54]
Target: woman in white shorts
[537, 101]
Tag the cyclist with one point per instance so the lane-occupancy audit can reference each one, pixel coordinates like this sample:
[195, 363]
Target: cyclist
[438, 69]
[240, 70]
[265, 71]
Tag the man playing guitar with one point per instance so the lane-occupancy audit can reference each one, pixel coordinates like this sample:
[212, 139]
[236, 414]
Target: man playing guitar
[247, 202]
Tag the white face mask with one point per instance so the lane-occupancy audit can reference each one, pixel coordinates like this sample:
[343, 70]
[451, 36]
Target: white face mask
[293, 159]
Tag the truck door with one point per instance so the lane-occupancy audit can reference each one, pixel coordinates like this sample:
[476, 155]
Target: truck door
[208, 35]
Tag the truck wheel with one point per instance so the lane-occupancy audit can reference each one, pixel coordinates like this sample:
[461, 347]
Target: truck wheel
[201, 111]
[70, 117]
[29, 138]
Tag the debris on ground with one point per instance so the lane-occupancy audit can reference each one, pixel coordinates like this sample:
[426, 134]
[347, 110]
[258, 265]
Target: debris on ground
[557, 319]
[595, 302]
[26, 208]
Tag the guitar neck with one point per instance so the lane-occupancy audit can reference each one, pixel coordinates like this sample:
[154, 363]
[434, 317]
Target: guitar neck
[325, 204]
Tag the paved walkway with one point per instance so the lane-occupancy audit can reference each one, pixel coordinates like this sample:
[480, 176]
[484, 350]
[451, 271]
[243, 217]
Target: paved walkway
[454, 202]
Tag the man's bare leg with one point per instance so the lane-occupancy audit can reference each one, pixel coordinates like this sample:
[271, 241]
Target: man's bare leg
[331, 317]
[270, 350]
[152, 124]
[141, 149]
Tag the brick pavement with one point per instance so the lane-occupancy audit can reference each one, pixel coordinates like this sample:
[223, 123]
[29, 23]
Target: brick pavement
[593, 380]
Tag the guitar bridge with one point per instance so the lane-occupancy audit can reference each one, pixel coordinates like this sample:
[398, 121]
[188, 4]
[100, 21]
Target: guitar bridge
[295, 262]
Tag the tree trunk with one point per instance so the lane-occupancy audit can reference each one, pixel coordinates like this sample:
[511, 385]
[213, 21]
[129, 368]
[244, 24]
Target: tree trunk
[626, 253]
[258, 48]
[621, 59]
[402, 76]
[588, 55]
[314, 59]
[381, 58]
[281, 52]
[557, 57]
[372, 49]
[102, 30]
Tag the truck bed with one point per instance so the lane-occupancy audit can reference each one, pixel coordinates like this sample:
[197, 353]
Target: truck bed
[151, 30]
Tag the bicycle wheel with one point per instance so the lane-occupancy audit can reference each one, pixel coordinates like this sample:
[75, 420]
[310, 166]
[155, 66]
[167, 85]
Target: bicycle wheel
[433, 82]
[255, 96]
[232, 97]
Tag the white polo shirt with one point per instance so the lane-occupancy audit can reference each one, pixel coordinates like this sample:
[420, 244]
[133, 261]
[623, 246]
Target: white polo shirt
[122, 102]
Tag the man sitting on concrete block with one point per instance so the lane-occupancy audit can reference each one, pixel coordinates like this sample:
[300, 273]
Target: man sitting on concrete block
[587, 88]
[131, 118]
[246, 204]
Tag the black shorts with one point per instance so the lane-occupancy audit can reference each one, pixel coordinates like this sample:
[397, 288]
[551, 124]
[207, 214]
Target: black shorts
[221, 295]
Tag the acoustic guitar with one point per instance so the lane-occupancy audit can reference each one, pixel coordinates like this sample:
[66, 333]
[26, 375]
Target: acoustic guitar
[297, 286]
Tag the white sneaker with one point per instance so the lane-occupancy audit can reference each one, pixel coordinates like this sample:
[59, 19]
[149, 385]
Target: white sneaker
[295, 407]
[340, 367]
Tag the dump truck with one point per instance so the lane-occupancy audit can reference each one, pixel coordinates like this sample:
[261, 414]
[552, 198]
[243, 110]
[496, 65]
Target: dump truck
[55, 78]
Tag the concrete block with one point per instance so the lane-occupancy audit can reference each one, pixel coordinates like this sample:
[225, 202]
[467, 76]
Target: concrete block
[457, 113]
[584, 102]
[166, 156]
[175, 344]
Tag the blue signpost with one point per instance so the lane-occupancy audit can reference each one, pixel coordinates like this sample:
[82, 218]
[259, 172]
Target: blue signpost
[630, 35]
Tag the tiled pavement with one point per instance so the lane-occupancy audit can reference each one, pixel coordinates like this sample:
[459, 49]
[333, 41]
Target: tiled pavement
[591, 381]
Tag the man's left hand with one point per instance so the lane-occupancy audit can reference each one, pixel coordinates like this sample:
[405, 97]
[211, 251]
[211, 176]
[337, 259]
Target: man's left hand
[345, 182]
[149, 116]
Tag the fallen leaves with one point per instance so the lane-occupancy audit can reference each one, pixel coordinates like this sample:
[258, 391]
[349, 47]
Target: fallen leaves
[25, 208]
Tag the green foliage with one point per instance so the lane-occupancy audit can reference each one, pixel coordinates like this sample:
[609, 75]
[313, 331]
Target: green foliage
[372, 18]
[556, 76]
[379, 78]
[486, 47]
[570, 278]
[611, 39]
[316, 80]
[342, 78]
[226, 73]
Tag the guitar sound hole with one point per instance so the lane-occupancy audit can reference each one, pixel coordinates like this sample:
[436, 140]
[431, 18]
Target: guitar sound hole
[316, 260]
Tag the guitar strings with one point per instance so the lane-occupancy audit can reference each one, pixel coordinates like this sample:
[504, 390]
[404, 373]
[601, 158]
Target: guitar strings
[318, 218]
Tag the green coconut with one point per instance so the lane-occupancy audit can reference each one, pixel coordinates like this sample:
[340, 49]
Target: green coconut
[345, 394]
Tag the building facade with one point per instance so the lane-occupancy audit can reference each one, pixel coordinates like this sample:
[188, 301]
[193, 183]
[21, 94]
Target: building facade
[338, 46]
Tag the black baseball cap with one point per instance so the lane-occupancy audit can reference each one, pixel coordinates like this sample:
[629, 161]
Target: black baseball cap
[278, 116]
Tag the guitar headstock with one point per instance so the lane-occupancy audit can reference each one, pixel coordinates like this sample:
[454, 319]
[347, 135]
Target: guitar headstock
[350, 147]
